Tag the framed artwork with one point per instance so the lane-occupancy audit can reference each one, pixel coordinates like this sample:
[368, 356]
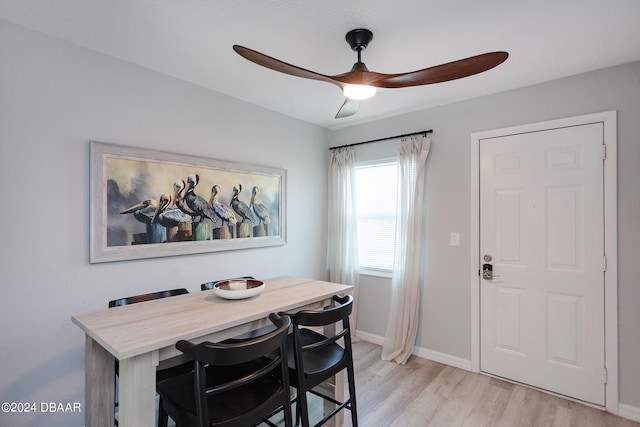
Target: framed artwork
[147, 204]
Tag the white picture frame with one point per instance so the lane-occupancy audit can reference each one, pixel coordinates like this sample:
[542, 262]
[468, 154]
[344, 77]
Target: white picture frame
[122, 177]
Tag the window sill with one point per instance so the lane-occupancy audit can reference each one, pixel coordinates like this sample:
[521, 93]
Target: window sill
[376, 273]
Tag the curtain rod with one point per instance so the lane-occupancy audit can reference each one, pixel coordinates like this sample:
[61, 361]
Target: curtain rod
[424, 132]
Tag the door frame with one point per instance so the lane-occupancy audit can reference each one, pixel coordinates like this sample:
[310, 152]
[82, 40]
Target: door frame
[609, 120]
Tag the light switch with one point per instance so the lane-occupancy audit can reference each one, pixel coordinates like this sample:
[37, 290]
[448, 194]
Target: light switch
[454, 238]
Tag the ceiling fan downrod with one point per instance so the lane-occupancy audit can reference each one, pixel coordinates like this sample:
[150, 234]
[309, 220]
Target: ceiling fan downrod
[359, 39]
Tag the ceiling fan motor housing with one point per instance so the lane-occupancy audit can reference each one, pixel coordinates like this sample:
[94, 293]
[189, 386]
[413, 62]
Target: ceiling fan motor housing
[359, 38]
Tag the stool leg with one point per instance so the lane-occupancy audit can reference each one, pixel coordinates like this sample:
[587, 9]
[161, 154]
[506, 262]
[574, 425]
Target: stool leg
[352, 396]
[163, 417]
[304, 408]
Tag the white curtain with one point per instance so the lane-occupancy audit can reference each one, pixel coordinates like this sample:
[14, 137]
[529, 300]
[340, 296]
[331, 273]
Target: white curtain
[342, 253]
[404, 310]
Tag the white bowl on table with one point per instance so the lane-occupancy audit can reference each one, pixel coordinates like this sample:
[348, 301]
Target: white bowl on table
[238, 288]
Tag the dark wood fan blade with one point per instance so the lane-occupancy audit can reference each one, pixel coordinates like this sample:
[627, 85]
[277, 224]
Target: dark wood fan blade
[281, 66]
[444, 72]
[349, 108]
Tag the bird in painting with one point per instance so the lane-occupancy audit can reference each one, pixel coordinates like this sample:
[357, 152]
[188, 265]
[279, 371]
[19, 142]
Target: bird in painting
[142, 211]
[221, 210]
[240, 207]
[178, 200]
[260, 210]
[196, 203]
[168, 217]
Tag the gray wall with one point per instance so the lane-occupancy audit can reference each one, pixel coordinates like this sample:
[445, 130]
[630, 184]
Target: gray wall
[54, 98]
[445, 321]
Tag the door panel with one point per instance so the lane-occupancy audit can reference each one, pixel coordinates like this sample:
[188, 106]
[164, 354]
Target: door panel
[564, 224]
[508, 227]
[508, 320]
[564, 321]
[541, 221]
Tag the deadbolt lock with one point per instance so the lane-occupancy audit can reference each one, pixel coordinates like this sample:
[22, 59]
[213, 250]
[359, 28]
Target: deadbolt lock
[487, 272]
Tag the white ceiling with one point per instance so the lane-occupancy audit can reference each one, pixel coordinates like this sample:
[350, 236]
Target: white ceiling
[192, 39]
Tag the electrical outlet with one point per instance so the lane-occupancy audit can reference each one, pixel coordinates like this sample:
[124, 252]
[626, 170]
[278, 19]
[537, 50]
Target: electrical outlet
[454, 238]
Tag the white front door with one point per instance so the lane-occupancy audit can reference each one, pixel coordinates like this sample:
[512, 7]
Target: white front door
[542, 234]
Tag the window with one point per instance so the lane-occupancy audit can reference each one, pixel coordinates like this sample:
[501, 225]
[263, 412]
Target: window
[376, 195]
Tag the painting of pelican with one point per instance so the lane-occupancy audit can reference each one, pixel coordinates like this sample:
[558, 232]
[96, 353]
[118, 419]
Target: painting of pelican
[260, 210]
[240, 207]
[136, 190]
[144, 213]
[197, 204]
[169, 217]
[222, 211]
[178, 201]
[243, 212]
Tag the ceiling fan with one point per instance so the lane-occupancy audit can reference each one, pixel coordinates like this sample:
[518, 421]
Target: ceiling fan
[360, 83]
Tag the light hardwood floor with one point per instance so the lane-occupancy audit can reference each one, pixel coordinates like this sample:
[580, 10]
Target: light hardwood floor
[426, 393]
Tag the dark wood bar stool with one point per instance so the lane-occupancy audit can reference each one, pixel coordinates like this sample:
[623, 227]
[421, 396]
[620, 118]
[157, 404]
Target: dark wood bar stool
[232, 385]
[166, 368]
[314, 358]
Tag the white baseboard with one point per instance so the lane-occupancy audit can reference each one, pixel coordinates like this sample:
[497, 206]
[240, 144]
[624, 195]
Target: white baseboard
[436, 356]
[629, 412]
[447, 359]
[366, 336]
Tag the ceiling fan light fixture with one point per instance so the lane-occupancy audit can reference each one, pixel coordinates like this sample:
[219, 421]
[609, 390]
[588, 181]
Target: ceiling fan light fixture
[359, 92]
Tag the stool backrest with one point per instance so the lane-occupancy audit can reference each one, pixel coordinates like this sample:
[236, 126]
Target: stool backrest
[328, 315]
[146, 297]
[261, 359]
[209, 285]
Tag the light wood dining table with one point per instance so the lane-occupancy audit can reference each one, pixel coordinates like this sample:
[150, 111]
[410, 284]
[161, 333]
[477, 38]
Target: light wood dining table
[140, 335]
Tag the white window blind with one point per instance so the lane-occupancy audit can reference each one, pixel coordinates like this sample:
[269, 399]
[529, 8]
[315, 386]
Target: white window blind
[376, 195]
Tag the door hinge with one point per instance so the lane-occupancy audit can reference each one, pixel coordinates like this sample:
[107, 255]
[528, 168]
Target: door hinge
[604, 152]
[606, 375]
[604, 263]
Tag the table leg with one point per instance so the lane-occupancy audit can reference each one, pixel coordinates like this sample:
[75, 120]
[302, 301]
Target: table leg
[137, 390]
[99, 385]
